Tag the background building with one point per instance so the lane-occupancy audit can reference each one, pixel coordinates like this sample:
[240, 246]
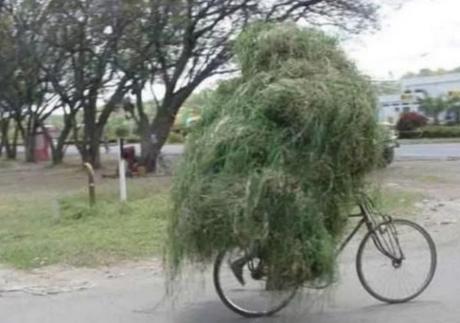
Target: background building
[412, 89]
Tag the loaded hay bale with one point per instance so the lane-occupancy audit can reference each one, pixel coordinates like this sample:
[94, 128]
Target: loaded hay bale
[278, 156]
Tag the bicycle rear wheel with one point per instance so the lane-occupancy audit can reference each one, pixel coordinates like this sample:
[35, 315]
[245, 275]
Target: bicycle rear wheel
[251, 297]
[396, 261]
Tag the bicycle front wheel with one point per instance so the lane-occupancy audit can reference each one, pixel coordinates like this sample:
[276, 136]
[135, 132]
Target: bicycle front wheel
[396, 261]
[243, 286]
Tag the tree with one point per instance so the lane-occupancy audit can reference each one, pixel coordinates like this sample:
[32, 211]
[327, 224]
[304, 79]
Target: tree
[388, 87]
[429, 72]
[433, 106]
[5, 115]
[454, 104]
[184, 43]
[93, 53]
[25, 93]
[84, 35]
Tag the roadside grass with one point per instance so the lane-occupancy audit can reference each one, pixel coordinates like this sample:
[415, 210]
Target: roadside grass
[39, 232]
[45, 217]
[397, 202]
[417, 141]
[5, 164]
[39, 229]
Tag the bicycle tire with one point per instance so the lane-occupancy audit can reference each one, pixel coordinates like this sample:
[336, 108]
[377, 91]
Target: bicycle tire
[245, 312]
[368, 239]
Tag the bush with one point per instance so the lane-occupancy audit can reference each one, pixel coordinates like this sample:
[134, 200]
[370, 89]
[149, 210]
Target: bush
[411, 121]
[176, 138]
[440, 132]
[410, 134]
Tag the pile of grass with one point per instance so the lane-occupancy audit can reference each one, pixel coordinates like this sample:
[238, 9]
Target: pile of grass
[278, 156]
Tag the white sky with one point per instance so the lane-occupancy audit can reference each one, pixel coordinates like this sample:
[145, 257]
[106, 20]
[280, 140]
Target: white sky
[422, 33]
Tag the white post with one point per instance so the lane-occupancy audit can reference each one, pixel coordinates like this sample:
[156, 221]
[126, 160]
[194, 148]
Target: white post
[122, 172]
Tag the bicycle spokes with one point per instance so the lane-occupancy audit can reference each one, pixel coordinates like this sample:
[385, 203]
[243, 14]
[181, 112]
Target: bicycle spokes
[386, 240]
[396, 261]
[243, 283]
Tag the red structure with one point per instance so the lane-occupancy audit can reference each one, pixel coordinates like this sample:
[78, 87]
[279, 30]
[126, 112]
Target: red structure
[42, 147]
[129, 154]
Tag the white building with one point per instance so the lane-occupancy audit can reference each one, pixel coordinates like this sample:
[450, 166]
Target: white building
[392, 106]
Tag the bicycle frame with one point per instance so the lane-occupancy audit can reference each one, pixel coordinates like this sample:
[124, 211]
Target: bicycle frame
[366, 219]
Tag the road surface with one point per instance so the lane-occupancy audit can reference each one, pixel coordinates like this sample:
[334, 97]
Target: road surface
[428, 151]
[113, 149]
[436, 151]
[138, 297]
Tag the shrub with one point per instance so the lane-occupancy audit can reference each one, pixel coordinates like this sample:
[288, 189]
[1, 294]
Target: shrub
[440, 132]
[411, 121]
[412, 134]
[175, 138]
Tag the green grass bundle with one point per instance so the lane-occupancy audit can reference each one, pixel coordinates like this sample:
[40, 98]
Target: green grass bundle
[278, 155]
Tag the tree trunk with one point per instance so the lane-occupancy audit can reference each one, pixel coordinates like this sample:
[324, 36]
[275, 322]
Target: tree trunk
[155, 137]
[11, 147]
[89, 152]
[29, 146]
[4, 127]
[58, 149]
[149, 152]
[89, 149]
[95, 153]
[158, 131]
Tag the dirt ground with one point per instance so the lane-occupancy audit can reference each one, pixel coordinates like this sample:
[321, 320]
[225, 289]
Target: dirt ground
[437, 181]
[20, 178]
[40, 179]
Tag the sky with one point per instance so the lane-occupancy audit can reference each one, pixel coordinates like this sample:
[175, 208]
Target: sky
[419, 34]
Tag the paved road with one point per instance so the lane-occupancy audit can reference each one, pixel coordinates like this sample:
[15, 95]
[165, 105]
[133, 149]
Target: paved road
[113, 149]
[138, 299]
[428, 151]
[440, 151]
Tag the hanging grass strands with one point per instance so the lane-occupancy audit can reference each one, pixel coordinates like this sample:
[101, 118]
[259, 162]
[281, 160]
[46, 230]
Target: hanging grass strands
[278, 155]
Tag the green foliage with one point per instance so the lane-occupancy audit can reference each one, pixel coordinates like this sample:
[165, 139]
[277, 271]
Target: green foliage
[387, 87]
[430, 72]
[433, 106]
[176, 138]
[263, 49]
[278, 155]
[410, 134]
[396, 201]
[190, 113]
[37, 231]
[121, 127]
[440, 132]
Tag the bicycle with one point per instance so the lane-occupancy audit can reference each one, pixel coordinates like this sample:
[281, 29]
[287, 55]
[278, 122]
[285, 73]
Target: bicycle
[390, 245]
